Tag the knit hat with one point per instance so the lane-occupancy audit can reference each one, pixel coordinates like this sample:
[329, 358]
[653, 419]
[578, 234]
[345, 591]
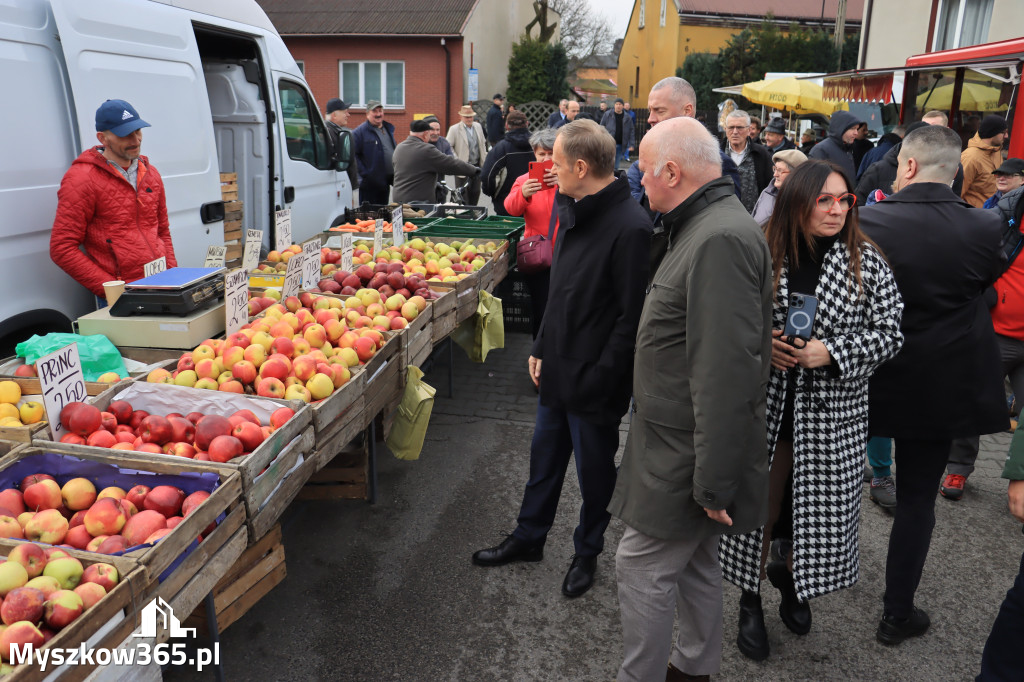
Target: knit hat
[790, 157]
[776, 125]
[991, 125]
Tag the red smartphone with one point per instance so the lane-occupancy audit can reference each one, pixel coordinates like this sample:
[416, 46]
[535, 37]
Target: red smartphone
[537, 170]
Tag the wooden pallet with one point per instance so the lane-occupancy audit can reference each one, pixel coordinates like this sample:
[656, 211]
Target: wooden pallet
[257, 571]
[344, 476]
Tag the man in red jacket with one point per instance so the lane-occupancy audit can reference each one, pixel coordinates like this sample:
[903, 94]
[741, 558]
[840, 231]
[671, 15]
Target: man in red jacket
[111, 210]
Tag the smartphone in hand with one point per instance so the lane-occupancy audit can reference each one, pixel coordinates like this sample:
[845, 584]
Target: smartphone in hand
[800, 319]
[538, 169]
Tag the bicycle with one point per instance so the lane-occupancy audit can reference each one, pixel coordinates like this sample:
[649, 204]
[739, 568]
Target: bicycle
[456, 195]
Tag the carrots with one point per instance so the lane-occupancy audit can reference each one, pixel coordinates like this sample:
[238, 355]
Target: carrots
[368, 226]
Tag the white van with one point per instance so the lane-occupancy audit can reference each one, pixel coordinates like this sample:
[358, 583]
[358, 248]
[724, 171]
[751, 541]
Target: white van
[222, 93]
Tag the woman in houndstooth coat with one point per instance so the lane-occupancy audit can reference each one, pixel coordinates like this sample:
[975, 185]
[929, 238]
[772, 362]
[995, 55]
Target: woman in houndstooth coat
[817, 401]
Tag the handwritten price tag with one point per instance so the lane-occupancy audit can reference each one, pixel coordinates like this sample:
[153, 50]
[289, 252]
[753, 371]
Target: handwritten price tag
[346, 252]
[397, 226]
[284, 229]
[62, 382]
[293, 276]
[236, 300]
[378, 236]
[215, 256]
[310, 263]
[253, 243]
[154, 266]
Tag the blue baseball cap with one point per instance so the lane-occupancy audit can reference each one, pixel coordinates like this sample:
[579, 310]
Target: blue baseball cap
[118, 117]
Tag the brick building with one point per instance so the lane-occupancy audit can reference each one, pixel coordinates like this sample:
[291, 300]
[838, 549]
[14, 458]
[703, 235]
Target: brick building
[413, 55]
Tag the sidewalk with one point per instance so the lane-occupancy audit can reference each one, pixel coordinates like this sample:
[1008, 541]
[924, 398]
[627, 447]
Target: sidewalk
[387, 591]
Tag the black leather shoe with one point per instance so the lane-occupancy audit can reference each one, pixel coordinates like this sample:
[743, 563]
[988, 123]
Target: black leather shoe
[580, 576]
[511, 549]
[676, 675]
[752, 640]
[796, 615]
[892, 631]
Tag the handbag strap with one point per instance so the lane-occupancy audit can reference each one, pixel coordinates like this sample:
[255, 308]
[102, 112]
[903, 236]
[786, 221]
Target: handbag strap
[554, 218]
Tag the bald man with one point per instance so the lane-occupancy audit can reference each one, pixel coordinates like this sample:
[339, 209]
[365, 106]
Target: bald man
[696, 460]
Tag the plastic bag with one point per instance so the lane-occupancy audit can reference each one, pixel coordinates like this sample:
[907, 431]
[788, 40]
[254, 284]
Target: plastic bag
[483, 332]
[97, 353]
[410, 426]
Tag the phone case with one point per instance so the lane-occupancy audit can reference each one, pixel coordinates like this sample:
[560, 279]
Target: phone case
[537, 170]
[800, 316]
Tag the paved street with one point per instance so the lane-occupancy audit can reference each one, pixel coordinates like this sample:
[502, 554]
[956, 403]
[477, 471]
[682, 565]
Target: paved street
[387, 592]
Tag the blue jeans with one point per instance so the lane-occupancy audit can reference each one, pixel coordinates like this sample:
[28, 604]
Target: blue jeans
[557, 435]
[1004, 657]
[621, 153]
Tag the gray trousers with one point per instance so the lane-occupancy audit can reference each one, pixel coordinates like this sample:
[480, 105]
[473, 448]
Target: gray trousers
[964, 451]
[658, 580]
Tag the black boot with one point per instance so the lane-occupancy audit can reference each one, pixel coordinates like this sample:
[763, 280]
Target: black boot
[796, 615]
[511, 549]
[752, 639]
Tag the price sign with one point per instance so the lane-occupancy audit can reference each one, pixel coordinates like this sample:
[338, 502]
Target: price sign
[378, 236]
[154, 266]
[62, 382]
[293, 276]
[346, 252]
[310, 263]
[398, 226]
[215, 256]
[253, 243]
[284, 229]
[236, 300]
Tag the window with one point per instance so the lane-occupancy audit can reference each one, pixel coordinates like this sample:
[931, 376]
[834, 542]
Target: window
[641, 20]
[304, 132]
[382, 81]
[302, 66]
[661, 18]
[962, 23]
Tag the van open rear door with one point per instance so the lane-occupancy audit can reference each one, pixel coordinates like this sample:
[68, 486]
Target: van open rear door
[146, 53]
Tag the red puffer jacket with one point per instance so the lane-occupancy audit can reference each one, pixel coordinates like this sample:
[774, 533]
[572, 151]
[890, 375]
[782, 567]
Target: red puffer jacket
[121, 229]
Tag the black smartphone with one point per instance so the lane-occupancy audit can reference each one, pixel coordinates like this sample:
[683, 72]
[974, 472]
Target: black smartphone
[800, 319]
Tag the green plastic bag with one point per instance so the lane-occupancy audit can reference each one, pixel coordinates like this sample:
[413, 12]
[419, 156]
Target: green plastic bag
[97, 353]
[410, 426]
[483, 332]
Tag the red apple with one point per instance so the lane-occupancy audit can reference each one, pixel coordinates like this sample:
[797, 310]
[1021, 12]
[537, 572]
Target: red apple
[101, 439]
[101, 574]
[22, 603]
[182, 430]
[112, 545]
[166, 499]
[142, 525]
[12, 500]
[31, 556]
[225, 448]
[137, 496]
[155, 429]
[250, 435]
[208, 428]
[193, 501]
[21, 634]
[66, 412]
[121, 409]
[43, 495]
[63, 607]
[194, 417]
[85, 419]
[136, 419]
[90, 593]
[109, 421]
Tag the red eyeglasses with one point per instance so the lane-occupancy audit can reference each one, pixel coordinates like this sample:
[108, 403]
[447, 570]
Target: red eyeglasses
[845, 201]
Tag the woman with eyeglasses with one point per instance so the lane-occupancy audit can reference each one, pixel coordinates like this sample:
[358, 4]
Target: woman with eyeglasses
[835, 319]
[784, 163]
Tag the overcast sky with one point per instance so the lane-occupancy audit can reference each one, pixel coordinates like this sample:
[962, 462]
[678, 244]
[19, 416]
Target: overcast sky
[617, 12]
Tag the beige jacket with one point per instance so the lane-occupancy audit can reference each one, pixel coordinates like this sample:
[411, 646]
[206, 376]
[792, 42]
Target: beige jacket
[979, 160]
[459, 141]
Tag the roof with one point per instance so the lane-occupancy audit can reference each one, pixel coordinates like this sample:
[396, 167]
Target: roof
[781, 9]
[601, 61]
[359, 17]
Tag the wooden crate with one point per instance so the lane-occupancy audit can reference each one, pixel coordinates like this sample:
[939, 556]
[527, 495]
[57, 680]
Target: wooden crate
[415, 336]
[344, 476]
[233, 210]
[225, 499]
[468, 302]
[381, 390]
[229, 186]
[232, 230]
[257, 571]
[40, 430]
[443, 325]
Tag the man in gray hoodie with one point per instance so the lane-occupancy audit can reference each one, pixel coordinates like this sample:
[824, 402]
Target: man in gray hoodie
[838, 146]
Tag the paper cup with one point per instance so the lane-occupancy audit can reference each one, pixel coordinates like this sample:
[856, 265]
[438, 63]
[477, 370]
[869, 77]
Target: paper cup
[113, 291]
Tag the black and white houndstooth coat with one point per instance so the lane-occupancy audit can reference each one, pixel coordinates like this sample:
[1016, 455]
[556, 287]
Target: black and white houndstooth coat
[830, 425]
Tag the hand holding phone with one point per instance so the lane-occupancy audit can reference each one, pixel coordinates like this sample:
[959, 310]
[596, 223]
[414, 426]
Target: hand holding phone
[538, 169]
[800, 319]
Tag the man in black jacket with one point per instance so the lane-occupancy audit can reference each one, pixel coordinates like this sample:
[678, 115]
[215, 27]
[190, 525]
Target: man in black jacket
[495, 121]
[838, 146]
[585, 344]
[944, 256]
[512, 156]
[418, 163]
[881, 174]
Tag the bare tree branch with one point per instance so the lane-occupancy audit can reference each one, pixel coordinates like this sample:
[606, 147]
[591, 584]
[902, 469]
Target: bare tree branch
[583, 31]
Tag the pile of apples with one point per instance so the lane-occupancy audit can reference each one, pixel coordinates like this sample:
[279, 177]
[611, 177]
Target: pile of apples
[44, 591]
[14, 414]
[205, 438]
[108, 521]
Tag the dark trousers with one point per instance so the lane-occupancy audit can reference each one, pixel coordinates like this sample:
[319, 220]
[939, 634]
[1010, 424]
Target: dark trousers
[537, 284]
[920, 467]
[556, 436]
[472, 188]
[1003, 659]
[373, 193]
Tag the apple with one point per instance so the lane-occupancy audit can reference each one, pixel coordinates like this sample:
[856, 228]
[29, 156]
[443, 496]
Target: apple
[255, 354]
[224, 449]
[47, 526]
[85, 419]
[12, 576]
[78, 537]
[101, 439]
[159, 534]
[181, 450]
[142, 525]
[298, 392]
[137, 495]
[320, 386]
[208, 428]
[43, 495]
[244, 371]
[45, 584]
[270, 387]
[106, 517]
[12, 500]
[193, 501]
[101, 574]
[31, 556]
[90, 593]
[26, 371]
[22, 603]
[109, 421]
[249, 434]
[95, 543]
[112, 545]
[78, 493]
[136, 418]
[112, 491]
[129, 508]
[63, 607]
[66, 412]
[173, 522]
[21, 634]
[182, 430]
[280, 416]
[167, 499]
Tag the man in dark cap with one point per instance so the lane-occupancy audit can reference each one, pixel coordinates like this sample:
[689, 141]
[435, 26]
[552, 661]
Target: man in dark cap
[1009, 177]
[775, 136]
[111, 209]
[418, 163]
[981, 158]
[495, 121]
[341, 138]
[838, 146]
